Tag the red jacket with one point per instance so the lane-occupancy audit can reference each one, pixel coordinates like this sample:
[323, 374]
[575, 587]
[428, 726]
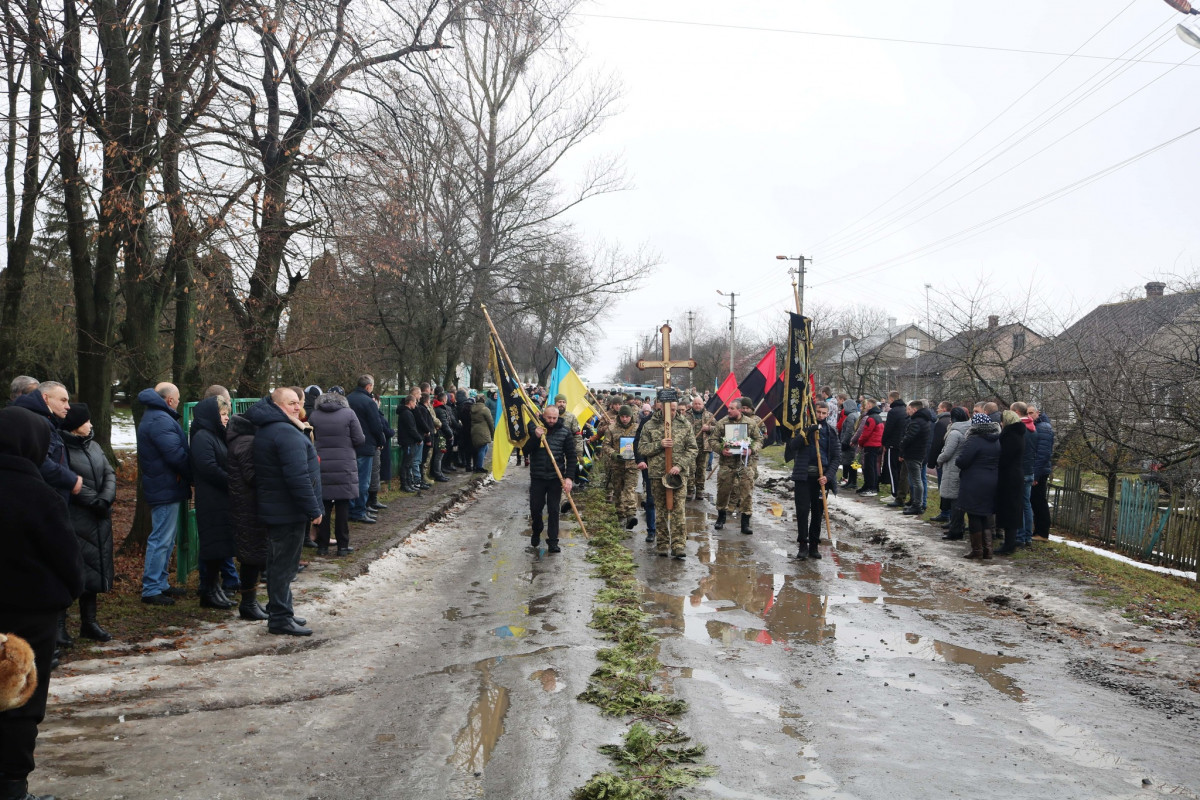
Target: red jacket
[871, 434]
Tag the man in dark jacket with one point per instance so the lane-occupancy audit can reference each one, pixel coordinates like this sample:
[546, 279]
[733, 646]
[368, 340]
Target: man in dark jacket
[940, 428]
[807, 479]
[51, 402]
[893, 431]
[364, 407]
[40, 575]
[287, 477]
[408, 435]
[914, 446]
[165, 467]
[1041, 473]
[545, 491]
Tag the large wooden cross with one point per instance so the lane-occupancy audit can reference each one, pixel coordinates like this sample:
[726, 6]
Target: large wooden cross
[667, 395]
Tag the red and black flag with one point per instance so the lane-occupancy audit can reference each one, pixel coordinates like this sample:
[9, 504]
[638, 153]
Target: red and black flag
[797, 399]
[760, 379]
[513, 401]
[771, 408]
[726, 394]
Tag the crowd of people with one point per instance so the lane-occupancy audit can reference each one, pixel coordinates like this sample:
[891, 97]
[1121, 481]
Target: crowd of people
[291, 472]
[992, 465]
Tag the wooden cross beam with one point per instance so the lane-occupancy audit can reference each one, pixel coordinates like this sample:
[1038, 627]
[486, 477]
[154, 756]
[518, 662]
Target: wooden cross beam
[667, 395]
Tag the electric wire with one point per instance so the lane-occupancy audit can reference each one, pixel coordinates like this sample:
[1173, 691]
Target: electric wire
[1013, 213]
[827, 34]
[994, 178]
[856, 242]
[835, 236]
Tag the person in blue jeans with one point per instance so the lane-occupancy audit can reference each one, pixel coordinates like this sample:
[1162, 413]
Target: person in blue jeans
[1029, 460]
[164, 465]
[363, 405]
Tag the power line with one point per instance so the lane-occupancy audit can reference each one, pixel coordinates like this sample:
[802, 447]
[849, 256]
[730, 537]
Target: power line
[1015, 213]
[974, 136]
[885, 39]
[994, 178]
[856, 241]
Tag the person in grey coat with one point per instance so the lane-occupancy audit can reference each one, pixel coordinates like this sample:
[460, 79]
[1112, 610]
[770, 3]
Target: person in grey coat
[91, 515]
[978, 461]
[955, 435]
[339, 434]
[849, 426]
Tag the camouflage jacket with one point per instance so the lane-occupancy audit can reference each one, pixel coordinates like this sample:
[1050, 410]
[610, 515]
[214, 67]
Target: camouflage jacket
[706, 418]
[570, 422]
[651, 450]
[612, 445]
[754, 427]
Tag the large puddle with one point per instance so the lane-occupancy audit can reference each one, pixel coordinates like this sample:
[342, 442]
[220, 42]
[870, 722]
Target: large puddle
[740, 599]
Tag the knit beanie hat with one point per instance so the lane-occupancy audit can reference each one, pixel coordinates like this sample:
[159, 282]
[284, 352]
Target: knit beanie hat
[980, 419]
[77, 414]
[625, 411]
[560, 398]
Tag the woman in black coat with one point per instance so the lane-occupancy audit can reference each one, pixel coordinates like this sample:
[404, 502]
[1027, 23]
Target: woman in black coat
[466, 450]
[1010, 484]
[91, 515]
[39, 577]
[210, 472]
[978, 462]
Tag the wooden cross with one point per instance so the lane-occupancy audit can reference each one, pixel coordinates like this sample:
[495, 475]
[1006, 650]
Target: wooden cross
[667, 395]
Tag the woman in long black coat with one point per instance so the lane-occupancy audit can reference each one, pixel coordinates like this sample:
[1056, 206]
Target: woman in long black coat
[1010, 484]
[249, 534]
[91, 515]
[210, 472]
[978, 462]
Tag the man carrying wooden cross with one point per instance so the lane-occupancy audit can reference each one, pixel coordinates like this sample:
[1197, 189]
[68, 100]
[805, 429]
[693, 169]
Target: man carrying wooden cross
[668, 447]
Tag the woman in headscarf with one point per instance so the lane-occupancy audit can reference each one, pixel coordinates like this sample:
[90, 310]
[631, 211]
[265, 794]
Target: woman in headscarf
[91, 515]
[40, 576]
[210, 471]
[978, 460]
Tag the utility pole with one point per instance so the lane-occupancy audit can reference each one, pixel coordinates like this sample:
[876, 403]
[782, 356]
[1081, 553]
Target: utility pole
[691, 341]
[732, 321]
[797, 273]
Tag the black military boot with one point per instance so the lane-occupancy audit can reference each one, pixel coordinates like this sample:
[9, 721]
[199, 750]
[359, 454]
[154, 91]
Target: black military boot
[746, 524]
[63, 640]
[720, 523]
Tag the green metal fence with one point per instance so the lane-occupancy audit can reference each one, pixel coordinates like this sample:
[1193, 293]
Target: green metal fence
[1140, 522]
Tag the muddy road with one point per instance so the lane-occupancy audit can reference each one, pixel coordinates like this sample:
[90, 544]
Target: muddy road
[450, 670]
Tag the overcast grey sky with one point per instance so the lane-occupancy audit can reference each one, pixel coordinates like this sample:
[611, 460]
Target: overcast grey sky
[745, 135]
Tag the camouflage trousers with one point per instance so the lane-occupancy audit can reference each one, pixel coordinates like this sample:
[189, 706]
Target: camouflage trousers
[671, 535]
[699, 473]
[623, 483]
[735, 487]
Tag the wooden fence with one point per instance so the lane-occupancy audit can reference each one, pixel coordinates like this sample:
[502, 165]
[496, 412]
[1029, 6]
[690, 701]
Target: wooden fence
[1140, 523]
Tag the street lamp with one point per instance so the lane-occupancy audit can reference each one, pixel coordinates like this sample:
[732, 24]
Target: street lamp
[732, 321]
[1187, 34]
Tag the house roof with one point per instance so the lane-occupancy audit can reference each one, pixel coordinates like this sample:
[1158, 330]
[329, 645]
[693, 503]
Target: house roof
[961, 349]
[869, 344]
[1106, 332]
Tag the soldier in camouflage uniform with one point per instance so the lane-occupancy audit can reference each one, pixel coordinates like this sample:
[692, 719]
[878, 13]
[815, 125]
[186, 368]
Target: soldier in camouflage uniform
[703, 424]
[569, 420]
[672, 533]
[735, 479]
[622, 472]
[609, 419]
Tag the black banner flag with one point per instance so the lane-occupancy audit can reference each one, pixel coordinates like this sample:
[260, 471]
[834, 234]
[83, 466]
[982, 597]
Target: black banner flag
[796, 385]
[512, 398]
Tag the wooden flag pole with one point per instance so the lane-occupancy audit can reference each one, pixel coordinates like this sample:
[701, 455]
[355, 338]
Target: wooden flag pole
[535, 413]
[817, 438]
